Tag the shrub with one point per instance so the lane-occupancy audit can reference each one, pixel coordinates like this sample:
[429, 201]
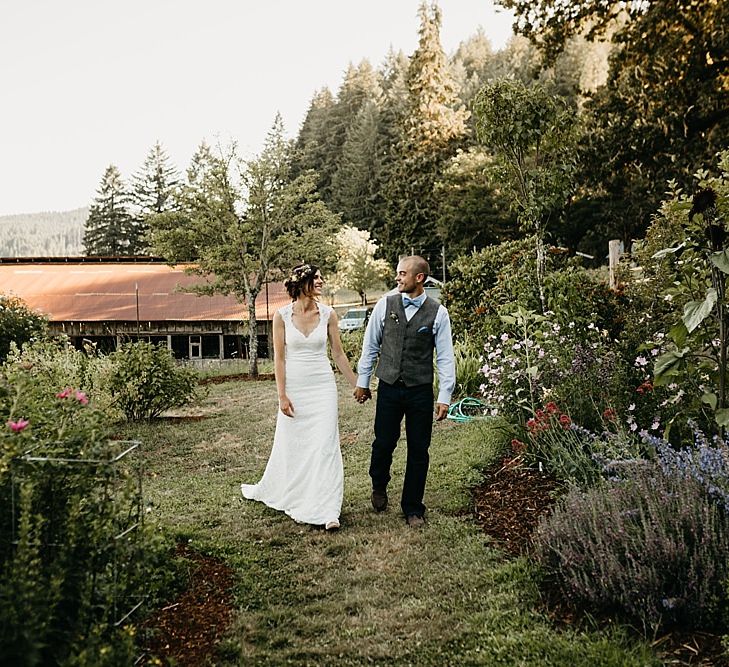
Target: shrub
[651, 547]
[18, 324]
[468, 367]
[144, 381]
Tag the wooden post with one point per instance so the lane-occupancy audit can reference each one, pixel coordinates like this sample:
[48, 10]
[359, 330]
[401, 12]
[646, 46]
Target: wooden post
[613, 260]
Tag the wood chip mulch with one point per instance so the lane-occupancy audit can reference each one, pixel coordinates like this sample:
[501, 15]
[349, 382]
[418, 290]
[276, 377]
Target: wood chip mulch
[508, 505]
[186, 631]
[235, 377]
[510, 502]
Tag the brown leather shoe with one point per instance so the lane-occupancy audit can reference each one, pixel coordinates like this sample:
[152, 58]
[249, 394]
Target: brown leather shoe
[415, 520]
[379, 500]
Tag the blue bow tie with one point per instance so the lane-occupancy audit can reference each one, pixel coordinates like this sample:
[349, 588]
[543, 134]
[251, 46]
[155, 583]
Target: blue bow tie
[407, 301]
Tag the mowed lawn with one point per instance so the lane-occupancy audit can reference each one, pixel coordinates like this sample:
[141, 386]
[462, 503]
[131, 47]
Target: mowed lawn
[376, 592]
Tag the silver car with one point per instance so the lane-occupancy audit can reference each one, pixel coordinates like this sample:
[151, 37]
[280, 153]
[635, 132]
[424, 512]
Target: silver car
[354, 318]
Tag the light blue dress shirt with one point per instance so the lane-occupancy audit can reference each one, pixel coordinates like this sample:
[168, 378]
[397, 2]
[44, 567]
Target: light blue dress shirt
[445, 359]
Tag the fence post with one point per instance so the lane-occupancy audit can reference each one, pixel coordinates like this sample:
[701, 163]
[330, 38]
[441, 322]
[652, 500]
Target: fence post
[613, 260]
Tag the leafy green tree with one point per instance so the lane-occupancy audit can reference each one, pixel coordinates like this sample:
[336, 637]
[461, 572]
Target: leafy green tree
[665, 109]
[357, 269]
[18, 324]
[434, 125]
[533, 136]
[244, 233]
[153, 187]
[473, 211]
[110, 229]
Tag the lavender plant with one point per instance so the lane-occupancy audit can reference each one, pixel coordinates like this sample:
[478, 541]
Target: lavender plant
[651, 547]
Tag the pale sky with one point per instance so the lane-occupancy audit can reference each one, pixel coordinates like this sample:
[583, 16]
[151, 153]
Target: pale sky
[88, 83]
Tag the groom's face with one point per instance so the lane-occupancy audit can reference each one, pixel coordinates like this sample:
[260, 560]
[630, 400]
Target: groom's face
[407, 280]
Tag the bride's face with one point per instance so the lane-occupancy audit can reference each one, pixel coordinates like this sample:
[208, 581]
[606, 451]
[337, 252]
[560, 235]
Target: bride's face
[316, 285]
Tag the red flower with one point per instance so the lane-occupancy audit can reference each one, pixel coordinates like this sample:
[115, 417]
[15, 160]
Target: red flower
[517, 446]
[610, 415]
[565, 421]
[551, 408]
[645, 387]
[18, 426]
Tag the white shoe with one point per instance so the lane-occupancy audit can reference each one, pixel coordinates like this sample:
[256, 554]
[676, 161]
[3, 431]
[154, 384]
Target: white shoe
[332, 526]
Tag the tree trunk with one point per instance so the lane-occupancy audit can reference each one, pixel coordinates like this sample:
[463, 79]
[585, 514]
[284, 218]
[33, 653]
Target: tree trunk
[252, 337]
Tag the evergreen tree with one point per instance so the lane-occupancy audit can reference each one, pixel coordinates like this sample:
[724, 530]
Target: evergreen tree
[153, 188]
[434, 126]
[110, 229]
[356, 188]
[312, 142]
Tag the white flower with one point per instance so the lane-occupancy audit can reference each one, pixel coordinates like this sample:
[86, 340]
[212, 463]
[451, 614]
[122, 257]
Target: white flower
[631, 407]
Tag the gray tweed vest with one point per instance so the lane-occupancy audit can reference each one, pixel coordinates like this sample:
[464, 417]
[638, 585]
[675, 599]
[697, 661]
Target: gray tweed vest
[407, 348]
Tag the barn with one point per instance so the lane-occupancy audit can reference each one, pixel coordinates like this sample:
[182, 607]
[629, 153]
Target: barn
[109, 300]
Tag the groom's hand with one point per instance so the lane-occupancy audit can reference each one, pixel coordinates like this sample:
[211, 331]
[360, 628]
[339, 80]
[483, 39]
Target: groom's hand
[441, 411]
[361, 395]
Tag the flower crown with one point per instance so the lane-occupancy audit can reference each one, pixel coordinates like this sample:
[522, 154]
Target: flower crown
[300, 273]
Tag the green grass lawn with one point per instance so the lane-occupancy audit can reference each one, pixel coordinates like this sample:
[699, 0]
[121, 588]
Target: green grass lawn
[376, 592]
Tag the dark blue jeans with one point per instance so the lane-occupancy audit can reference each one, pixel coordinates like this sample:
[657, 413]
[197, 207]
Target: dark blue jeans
[415, 404]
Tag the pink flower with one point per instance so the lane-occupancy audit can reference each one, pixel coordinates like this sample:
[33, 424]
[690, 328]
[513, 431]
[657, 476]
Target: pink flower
[81, 397]
[65, 393]
[18, 426]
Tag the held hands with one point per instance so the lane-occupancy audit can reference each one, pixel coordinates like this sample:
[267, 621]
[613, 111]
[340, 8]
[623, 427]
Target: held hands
[286, 406]
[441, 411]
[362, 395]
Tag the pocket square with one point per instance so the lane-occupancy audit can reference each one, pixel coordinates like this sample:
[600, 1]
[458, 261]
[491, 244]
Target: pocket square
[424, 330]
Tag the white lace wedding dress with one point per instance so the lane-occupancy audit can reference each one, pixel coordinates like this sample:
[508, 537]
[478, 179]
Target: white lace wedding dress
[304, 476]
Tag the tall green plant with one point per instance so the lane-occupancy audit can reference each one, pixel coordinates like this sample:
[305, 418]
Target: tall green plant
[699, 260]
[533, 135]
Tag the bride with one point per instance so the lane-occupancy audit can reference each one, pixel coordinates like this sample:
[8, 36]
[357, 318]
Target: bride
[304, 474]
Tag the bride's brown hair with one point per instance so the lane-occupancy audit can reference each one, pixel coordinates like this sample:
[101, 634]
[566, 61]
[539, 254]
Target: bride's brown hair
[301, 280]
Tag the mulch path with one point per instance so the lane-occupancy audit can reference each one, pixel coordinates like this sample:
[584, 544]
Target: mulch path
[236, 377]
[186, 631]
[508, 505]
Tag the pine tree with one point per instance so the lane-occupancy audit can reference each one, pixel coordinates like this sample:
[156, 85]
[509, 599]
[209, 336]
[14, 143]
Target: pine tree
[153, 189]
[433, 128]
[356, 190]
[110, 229]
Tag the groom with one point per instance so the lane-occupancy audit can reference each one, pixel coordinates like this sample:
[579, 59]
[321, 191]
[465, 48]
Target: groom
[404, 330]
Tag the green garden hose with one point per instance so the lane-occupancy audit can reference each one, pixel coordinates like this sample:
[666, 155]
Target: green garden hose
[467, 409]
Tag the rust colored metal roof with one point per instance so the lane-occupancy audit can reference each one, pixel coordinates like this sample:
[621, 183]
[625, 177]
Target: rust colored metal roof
[95, 292]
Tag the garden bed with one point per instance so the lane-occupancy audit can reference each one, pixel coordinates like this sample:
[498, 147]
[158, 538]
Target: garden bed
[508, 505]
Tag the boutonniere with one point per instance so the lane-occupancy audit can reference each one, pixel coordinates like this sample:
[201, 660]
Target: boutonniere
[394, 318]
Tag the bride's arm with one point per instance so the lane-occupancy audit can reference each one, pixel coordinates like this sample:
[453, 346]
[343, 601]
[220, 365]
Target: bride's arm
[279, 364]
[338, 355]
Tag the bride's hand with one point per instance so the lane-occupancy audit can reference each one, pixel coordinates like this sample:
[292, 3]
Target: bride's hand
[286, 406]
